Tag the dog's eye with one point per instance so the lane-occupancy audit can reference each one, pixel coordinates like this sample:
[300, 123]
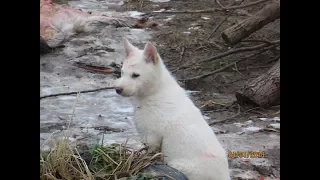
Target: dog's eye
[135, 75]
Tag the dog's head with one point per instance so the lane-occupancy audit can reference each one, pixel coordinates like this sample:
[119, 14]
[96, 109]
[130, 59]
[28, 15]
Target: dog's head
[140, 71]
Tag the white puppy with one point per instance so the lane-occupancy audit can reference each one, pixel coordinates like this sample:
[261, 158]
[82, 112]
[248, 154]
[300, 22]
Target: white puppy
[165, 115]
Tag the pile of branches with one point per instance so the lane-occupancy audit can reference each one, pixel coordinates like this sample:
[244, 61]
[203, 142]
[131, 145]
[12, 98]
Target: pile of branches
[264, 91]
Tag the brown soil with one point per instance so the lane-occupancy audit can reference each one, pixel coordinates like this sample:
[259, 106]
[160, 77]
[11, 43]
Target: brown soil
[178, 48]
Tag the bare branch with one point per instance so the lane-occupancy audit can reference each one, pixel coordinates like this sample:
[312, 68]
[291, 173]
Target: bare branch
[233, 51]
[217, 27]
[71, 93]
[227, 66]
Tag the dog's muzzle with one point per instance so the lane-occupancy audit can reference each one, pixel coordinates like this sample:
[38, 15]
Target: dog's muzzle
[119, 90]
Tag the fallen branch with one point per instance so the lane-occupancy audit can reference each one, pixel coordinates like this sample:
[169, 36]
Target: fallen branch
[263, 91]
[71, 93]
[240, 31]
[246, 5]
[214, 9]
[219, 121]
[98, 70]
[273, 59]
[233, 51]
[257, 40]
[227, 66]
[219, 4]
[242, 49]
[217, 27]
[103, 70]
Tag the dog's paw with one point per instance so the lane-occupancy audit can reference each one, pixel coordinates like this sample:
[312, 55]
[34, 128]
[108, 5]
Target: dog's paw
[153, 149]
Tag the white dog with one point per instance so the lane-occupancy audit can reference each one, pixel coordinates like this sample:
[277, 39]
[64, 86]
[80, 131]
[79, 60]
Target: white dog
[164, 115]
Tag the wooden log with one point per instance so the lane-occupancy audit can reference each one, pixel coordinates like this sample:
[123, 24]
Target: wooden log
[242, 30]
[263, 91]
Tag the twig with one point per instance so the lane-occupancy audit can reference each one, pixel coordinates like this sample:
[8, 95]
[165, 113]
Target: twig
[214, 9]
[233, 51]
[73, 110]
[273, 59]
[70, 93]
[236, 69]
[254, 67]
[256, 40]
[219, 121]
[246, 5]
[212, 102]
[181, 54]
[217, 27]
[242, 49]
[219, 4]
[189, 11]
[270, 129]
[227, 66]
[244, 69]
[211, 73]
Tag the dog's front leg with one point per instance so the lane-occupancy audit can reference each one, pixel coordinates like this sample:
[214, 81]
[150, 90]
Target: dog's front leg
[153, 141]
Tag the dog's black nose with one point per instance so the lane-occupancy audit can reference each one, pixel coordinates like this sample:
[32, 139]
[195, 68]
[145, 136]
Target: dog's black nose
[119, 90]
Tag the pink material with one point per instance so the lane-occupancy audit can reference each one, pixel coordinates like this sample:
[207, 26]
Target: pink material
[49, 11]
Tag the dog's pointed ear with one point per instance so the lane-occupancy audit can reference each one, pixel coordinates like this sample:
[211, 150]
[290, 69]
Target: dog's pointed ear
[151, 53]
[128, 47]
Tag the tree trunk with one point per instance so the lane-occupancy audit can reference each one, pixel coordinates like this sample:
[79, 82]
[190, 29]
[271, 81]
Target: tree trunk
[264, 91]
[242, 30]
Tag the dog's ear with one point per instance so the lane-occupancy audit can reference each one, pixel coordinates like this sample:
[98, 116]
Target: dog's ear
[151, 54]
[128, 47]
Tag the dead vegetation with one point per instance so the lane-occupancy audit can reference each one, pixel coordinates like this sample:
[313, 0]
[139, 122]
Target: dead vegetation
[111, 162]
[63, 162]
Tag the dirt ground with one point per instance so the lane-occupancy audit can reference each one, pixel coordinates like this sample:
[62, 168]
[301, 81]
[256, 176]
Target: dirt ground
[184, 38]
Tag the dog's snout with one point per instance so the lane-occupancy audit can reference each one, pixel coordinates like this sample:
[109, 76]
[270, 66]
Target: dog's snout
[119, 90]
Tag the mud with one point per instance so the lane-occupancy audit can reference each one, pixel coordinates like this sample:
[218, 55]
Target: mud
[104, 116]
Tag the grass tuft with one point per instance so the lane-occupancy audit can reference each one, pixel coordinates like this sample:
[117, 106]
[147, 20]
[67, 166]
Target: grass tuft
[111, 162]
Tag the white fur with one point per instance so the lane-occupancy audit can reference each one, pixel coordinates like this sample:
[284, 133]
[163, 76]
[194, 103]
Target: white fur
[163, 111]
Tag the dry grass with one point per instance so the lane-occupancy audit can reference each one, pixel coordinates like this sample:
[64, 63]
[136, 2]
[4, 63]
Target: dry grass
[119, 160]
[63, 162]
[110, 162]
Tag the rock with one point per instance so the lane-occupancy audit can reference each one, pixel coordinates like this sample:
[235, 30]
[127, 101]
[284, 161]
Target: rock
[262, 166]
[240, 164]
[251, 130]
[276, 125]
[44, 48]
[239, 174]
[160, 170]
